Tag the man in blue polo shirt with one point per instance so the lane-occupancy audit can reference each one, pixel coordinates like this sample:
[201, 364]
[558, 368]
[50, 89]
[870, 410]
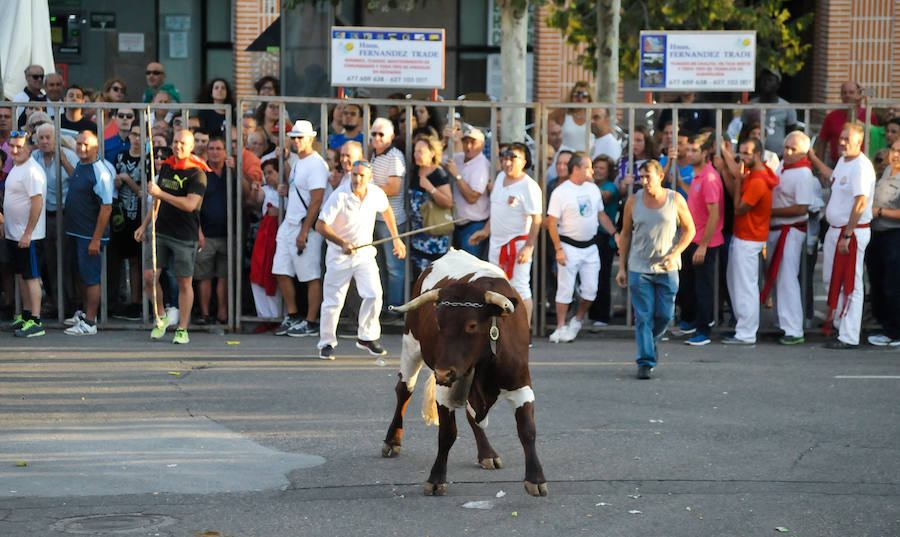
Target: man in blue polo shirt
[87, 209]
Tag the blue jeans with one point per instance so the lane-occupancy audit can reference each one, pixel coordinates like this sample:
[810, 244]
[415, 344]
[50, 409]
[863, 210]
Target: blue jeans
[391, 278]
[461, 236]
[653, 298]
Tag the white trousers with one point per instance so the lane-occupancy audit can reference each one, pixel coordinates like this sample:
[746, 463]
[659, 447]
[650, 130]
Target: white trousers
[742, 277]
[267, 307]
[580, 262]
[334, 291]
[788, 304]
[848, 325]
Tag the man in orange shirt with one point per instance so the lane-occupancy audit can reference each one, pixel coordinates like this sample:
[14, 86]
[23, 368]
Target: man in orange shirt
[750, 184]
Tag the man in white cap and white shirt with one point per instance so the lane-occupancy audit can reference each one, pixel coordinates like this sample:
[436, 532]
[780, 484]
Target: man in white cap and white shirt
[298, 247]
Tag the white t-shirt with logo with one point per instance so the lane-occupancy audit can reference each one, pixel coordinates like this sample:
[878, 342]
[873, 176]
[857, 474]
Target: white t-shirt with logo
[576, 207]
[848, 180]
[512, 208]
[795, 187]
[24, 182]
[308, 173]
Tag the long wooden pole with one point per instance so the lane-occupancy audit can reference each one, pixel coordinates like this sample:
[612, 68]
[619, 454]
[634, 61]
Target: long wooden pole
[408, 233]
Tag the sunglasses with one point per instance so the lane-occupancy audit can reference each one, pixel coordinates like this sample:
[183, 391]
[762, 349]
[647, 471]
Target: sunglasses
[125, 116]
[580, 94]
[363, 163]
[117, 89]
[36, 77]
[377, 135]
[18, 134]
[157, 73]
[509, 154]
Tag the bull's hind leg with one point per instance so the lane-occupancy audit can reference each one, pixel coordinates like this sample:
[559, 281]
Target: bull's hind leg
[487, 457]
[437, 480]
[410, 364]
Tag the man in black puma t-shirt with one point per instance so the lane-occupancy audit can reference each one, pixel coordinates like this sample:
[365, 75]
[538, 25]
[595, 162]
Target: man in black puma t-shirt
[177, 199]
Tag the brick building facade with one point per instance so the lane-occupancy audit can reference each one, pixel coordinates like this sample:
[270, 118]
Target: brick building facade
[854, 40]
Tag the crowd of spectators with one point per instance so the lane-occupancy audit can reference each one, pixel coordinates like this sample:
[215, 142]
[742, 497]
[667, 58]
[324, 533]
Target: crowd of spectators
[764, 195]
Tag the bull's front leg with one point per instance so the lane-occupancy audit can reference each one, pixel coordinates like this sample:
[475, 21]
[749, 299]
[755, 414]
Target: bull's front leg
[437, 481]
[535, 484]
[477, 415]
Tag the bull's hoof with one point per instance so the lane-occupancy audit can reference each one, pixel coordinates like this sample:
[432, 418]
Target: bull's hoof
[389, 451]
[491, 463]
[435, 489]
[536, 489]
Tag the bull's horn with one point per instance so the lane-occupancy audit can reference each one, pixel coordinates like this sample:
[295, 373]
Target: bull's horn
[417, 302]
[492, 297]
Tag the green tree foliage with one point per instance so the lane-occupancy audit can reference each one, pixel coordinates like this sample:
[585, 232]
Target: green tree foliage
[778, 34]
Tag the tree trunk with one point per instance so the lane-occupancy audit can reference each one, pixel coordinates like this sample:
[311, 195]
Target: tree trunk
[608, 18]
[513, 53]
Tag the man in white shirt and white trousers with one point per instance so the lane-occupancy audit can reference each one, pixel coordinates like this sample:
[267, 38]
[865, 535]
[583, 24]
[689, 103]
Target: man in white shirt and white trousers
[347, 221]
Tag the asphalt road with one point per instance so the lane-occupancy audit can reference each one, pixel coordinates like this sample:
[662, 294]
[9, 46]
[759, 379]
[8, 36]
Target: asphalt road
[252, 435]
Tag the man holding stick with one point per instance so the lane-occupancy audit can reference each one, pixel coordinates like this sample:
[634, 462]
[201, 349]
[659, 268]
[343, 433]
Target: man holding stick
[347, 219]
[176, 206]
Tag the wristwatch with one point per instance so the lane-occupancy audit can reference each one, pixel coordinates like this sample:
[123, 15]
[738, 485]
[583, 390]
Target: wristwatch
[846, 236]
[459, 177]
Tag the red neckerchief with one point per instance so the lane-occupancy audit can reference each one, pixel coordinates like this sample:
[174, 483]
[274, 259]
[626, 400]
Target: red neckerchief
[802, 163]
[193, 161]
[775, 263]
[508, 252]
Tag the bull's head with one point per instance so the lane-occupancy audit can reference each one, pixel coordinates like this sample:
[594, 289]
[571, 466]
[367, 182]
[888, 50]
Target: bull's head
[464, 317]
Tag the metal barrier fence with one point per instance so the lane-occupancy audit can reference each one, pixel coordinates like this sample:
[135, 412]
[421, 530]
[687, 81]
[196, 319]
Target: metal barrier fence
[452, 111]
[141, 114]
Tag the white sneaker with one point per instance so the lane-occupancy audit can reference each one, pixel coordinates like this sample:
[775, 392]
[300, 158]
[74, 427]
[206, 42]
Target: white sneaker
[172, 314]
[81, 328]
[882, 340]
[559, 335]
[571, 332]
[73, 320]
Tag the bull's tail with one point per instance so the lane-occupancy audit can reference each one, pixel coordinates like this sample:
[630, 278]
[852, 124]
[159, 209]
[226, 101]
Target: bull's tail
[429, 404]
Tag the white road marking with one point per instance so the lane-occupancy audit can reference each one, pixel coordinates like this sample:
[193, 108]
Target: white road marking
[867, 377]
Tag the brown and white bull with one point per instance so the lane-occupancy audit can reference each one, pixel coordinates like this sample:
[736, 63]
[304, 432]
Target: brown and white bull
[463, 323]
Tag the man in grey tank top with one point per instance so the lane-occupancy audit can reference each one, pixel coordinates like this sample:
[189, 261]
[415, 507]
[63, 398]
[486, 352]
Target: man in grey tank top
[650, 258]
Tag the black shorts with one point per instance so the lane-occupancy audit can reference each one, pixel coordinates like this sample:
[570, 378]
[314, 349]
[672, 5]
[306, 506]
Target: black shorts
[26, 261]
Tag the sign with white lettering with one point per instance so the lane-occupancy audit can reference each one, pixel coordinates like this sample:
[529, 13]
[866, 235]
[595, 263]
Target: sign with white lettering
[698, 61]
[387, 57]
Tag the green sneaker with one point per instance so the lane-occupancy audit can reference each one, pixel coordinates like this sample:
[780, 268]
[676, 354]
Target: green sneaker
[181, 337]
[160, 329]
[31, 329]
[17, 323]
[790, 340]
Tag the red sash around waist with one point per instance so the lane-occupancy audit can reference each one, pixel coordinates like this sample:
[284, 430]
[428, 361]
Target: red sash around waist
[508, 255]
[775, 263]
[843, 276]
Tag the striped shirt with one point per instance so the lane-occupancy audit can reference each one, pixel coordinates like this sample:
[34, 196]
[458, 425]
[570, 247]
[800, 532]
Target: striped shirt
[388, 164]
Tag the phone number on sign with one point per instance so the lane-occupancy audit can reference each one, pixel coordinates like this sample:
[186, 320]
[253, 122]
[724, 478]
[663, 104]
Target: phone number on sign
[376, 79]
[700, 82]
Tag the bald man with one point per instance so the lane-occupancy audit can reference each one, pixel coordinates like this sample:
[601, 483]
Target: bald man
[87, 208]
[177, 197]
[156, 81]
[827, 147]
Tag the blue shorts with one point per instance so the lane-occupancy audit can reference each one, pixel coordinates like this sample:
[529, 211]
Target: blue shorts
[88, 266]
